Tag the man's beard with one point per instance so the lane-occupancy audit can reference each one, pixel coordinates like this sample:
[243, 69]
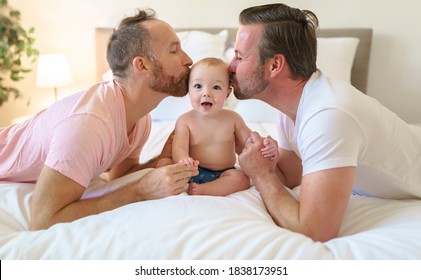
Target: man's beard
[174, 86]
[250, 86]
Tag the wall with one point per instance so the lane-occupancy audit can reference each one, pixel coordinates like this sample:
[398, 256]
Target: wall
[68, 27]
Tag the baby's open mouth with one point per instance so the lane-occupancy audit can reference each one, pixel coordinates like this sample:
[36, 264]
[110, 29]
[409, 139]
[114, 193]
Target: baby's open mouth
[206, 104]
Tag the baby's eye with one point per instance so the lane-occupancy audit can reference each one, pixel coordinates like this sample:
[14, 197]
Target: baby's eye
[216, 87]
[197, 86]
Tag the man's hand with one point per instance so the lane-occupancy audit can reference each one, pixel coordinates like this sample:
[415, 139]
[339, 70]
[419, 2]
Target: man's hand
[164, 181]
[323, 198]
[251, 160]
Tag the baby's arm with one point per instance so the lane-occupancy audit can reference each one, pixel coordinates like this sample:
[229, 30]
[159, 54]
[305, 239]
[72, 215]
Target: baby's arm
[271, 148]
[181, 144]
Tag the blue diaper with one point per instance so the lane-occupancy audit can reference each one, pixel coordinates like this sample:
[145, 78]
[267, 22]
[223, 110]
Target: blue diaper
[206, 175]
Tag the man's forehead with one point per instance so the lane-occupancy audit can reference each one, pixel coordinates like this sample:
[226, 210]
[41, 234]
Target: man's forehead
[249, 32]
[248, 36]
[160, 31]
[156, 26]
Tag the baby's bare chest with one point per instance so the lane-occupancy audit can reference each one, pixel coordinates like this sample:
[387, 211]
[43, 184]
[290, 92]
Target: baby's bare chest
[211, 133]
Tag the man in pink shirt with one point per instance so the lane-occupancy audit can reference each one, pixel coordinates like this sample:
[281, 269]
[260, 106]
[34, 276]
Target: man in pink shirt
[103, 128]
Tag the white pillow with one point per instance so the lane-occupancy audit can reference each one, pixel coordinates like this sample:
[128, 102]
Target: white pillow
[199, 44]
[335, 56]
[171, 108]
[253, 110]
[229, 54]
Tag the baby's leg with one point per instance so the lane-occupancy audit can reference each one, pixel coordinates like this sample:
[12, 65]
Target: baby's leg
[230, 181]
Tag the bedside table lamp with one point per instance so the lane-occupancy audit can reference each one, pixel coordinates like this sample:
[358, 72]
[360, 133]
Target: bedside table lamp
[53, 71]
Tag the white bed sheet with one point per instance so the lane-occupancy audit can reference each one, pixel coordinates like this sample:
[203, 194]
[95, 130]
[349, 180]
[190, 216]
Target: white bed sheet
[203, 227]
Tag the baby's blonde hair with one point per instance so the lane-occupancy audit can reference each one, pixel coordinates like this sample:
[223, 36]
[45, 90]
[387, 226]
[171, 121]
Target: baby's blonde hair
[211, 61]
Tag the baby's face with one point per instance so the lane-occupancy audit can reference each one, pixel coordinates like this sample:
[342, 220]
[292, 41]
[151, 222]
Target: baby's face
[208, 88]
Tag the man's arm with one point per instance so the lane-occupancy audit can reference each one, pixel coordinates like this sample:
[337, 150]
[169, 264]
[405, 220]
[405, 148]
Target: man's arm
[289, 168]
[130, 165]
[323, 200]
[57, 198]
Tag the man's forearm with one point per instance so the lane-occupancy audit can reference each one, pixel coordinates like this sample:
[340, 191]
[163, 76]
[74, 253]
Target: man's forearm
[47, 216]
[149, 164]
[281, 205]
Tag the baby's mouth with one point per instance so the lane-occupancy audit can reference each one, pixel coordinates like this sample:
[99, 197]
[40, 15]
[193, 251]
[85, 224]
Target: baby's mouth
[206, 104]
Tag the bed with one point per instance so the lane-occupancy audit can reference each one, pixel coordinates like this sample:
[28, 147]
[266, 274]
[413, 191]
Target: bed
[235, 227]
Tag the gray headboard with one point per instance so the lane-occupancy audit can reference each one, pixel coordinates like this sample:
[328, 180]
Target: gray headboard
[359, 73]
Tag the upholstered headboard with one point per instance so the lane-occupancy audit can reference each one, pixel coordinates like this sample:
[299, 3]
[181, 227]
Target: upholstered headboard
[359, 72]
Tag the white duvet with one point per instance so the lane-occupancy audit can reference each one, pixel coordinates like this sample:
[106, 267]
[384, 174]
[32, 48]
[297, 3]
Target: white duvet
[204, 227]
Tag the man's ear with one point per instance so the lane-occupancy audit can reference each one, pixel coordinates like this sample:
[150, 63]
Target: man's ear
[138, 64]
[231, 89]
[277, 64]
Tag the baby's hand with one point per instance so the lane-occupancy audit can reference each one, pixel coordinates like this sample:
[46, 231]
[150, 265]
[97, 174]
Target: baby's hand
[189, 162]
[271, 148]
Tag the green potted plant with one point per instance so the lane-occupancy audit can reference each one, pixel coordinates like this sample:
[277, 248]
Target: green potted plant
[15, 44]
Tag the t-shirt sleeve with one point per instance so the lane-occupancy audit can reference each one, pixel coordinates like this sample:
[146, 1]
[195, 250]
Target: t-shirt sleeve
[329, 139]
[80, 145]
[285, 132]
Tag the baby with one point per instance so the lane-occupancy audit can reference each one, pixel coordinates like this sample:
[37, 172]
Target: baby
[209, 136]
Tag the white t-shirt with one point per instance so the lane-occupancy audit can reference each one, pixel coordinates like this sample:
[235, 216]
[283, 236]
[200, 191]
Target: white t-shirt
[338, 126]
[80, 136]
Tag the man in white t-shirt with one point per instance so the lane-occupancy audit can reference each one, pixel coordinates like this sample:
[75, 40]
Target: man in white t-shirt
[333, 139]
[102, 129]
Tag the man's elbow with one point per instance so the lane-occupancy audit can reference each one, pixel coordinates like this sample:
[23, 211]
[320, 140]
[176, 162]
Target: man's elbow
[37, 224]
[321, 235]
[317, 235]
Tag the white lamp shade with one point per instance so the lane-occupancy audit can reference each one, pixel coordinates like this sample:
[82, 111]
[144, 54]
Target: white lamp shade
[53, 71]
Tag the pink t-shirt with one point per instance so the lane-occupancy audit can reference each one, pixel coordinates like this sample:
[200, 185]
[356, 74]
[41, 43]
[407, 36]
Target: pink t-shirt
[80, 136]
